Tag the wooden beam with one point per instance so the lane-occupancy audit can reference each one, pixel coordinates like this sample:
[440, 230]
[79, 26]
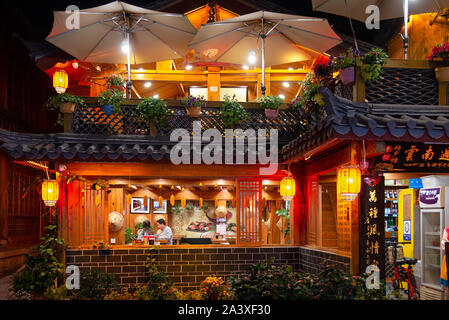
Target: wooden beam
[213, 84]
[142, 170]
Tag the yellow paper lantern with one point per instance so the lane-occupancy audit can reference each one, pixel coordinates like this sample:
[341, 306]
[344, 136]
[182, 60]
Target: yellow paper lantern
[129, 198]
[50, 192]
[201, 202]
[172, 200]
[183, 202]
[160, 200]
[349, 182]
[287, 188]
[216, 203]
[60, 81]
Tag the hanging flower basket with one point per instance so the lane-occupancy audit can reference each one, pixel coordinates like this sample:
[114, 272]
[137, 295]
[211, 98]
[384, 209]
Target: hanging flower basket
[442, 74]
[347, 75]
[67, 107]
[271, 113]
[193, 112]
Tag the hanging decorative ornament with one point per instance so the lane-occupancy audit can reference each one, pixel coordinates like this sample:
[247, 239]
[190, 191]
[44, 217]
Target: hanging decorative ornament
[216, 203]
[172, 187]
[50, 192]
[98, 200]
[129, 199]
[160, 200]
[182, 189]
[183, 202]
[287, 188]
[60, 81]
[160, 186]
[201, 202]
[172, 200]
[201, 184]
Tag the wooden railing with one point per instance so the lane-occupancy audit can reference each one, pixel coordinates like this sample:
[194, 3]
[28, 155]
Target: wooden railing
[90, 119]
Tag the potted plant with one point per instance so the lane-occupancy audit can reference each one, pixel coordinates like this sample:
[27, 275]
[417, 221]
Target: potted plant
[440, 53]
[193, 105]
[153, 110]
[372, 64]
[116, 82]
[310, 102]
[176, 209]
[129, 236]
[346, 65]
[271, 105]
[232, 112]
[111, 101]
[65, 103]
[324, 73]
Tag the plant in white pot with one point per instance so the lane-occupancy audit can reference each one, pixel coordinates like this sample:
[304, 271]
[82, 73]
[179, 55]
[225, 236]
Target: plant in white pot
[65, 103]
[271, 104]
[154, 111]
[440, 58]
[193, 105]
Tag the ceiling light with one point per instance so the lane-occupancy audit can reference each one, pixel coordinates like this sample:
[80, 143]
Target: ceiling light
[125, 46]
[282, 96]
[147, 84]
[286, 84]
[140, 69]
[245, 67]
[156, 96]
[252, 57]
[189, 67]
[290, 68]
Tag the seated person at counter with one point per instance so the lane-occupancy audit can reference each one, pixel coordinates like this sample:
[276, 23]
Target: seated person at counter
[164, 232]
[145, 231]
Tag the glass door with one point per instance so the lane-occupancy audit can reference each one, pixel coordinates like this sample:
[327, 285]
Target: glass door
[431, 239]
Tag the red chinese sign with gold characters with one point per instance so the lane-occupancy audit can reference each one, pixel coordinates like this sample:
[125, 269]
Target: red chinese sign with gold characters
[372, 224]
[413, 157]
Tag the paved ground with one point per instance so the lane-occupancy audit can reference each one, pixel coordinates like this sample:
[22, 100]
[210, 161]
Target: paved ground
[5, 286]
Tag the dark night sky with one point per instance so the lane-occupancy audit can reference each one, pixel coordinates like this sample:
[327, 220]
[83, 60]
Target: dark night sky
[40, 16]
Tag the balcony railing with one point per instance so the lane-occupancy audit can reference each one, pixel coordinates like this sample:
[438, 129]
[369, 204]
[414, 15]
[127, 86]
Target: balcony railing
[90, 119]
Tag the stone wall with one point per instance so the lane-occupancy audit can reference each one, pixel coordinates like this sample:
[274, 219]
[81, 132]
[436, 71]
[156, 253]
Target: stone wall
[187, 267]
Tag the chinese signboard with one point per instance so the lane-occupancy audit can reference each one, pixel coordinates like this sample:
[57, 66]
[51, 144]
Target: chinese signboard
[413, 157]
[372, 224]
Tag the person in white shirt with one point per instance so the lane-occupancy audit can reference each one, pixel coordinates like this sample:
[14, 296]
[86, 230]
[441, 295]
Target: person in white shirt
[164, 231]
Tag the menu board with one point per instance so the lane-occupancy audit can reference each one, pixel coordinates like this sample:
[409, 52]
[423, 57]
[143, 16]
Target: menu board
[372, 224]
[413, 157]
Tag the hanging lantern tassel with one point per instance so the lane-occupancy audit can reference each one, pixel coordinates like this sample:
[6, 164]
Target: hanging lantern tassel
[98, 200]
[160, 200]
[172, 200]
[201, 202]
[183, 202]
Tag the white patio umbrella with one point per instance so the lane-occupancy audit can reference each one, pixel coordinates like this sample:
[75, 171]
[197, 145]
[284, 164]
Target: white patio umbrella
[122, 33]
[289, 38]
[356, 9]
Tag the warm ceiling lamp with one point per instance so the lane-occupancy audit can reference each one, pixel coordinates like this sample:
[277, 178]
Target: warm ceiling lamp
[50, 192]
[60, 81]
[349, 182]
[287, 188]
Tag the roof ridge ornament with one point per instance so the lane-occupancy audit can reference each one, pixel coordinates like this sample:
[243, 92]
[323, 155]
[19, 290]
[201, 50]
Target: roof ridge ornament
[212, 12]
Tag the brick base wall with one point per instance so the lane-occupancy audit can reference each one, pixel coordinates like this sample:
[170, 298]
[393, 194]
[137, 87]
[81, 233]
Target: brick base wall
[187, 267]
[315, 261]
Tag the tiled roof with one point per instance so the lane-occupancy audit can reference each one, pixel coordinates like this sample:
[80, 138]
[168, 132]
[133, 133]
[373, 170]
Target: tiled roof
[22, 146]
[348, 120]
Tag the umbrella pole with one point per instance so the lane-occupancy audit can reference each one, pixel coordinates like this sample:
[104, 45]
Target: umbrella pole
[405, 39]
[263, 61]
[128, 55]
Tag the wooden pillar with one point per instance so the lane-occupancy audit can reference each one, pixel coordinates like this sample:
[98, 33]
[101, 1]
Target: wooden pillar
[354, 219]
[298, 206]
[442, 93]
[359, 89]
[4, 181]
[213, 84]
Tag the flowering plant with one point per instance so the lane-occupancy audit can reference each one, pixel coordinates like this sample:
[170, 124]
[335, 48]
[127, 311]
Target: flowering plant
[346, 60]
[440, 51]
[309, 102]
[213, 288]
[191, 102]
[372, 64]
[324, 70]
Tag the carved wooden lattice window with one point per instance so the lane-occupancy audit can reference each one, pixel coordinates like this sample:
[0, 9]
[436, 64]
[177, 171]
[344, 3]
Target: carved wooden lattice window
[249, 217]
[93, 222]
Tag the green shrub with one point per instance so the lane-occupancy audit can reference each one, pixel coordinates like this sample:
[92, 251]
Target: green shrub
[115, 81]
[270, 102]
[233, 112]
[95, 285]
[153, 110]
[372, 64]
[42, 267]
[112, 97]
